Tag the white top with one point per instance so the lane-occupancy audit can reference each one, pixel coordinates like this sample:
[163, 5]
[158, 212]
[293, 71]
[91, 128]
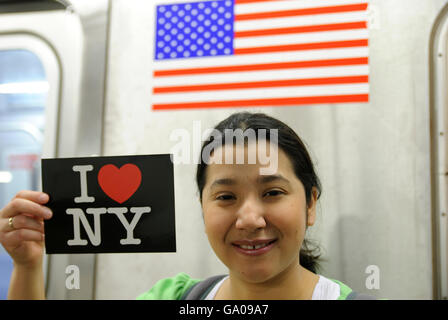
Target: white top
[325, 290]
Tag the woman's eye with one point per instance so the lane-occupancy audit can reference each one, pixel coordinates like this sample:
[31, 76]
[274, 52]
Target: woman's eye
[225, 197]
[273, 193]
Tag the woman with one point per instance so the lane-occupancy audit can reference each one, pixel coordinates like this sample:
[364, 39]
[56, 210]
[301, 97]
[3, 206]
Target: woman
[255, 222]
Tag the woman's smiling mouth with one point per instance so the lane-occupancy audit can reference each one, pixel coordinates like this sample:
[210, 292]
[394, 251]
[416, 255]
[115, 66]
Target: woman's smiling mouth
[254, 247]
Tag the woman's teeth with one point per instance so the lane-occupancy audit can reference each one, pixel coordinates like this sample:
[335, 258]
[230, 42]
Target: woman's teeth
[253, 247]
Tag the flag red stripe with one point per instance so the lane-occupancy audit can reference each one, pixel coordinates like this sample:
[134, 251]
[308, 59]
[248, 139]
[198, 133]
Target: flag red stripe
[301, 12]
[263, 84]
[264, 102]
[303, 46]
[264, 66]
[302, 29]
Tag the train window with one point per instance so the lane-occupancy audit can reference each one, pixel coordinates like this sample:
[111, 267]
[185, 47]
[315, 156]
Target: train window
[23, 96]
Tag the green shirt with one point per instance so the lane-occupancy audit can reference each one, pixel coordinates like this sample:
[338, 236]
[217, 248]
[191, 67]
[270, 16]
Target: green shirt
[174, 288]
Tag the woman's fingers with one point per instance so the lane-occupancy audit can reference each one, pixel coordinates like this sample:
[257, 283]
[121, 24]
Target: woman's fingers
[20, 205]
[16, 237]
[22, 222]
[35, 196]
[21, 226]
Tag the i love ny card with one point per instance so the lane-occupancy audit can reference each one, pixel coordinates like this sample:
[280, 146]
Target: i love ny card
[110, 204]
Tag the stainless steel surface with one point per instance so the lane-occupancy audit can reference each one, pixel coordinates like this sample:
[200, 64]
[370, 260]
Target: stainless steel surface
[374, 158]
[439, 149]
[382, 205]
[93, 18]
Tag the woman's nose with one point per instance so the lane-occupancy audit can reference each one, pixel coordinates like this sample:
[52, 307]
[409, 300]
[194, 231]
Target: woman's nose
[251, 215]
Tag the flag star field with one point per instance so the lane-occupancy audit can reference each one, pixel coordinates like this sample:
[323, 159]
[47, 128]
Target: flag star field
[200, 29]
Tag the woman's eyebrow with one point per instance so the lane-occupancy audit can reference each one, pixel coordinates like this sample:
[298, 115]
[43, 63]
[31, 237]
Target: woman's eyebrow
[271, 178]
[260, 179]
[223, 182]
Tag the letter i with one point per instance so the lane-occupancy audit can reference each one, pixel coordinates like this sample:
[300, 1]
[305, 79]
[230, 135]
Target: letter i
[83, 176]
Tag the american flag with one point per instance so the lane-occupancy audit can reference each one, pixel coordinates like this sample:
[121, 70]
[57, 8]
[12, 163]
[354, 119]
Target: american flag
[254, 53]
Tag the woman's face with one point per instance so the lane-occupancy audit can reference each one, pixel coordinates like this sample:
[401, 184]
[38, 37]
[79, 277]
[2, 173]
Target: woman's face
[256, 223]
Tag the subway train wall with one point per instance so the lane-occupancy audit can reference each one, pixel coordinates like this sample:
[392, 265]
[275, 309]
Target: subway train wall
[373, 158]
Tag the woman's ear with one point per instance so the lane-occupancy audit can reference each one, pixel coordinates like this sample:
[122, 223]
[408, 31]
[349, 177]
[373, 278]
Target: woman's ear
[311, 209]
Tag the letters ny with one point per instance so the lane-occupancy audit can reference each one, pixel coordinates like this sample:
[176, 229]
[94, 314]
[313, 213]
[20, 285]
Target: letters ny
[95, 233]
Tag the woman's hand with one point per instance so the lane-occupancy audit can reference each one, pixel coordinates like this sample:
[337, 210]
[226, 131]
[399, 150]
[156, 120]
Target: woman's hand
[22, 228]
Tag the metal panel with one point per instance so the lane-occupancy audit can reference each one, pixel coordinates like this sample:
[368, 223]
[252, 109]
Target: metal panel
[439, 164]
[93, 18]
[373, 159]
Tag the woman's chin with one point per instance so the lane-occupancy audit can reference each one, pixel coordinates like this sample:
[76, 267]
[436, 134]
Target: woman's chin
[255, 275]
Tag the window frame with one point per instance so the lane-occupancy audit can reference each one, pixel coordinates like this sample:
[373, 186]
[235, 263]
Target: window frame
[50, 62]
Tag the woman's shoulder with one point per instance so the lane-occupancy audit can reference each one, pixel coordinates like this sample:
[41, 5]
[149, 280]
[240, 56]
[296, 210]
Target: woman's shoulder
[344, 290]
[337, 290]
[169, 288]
[331, 289]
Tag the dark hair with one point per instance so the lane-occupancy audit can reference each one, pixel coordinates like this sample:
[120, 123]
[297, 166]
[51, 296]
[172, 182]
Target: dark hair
[291, 144]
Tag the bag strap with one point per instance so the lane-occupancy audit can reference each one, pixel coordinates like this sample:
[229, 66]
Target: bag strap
[359, 296]
[199, 290]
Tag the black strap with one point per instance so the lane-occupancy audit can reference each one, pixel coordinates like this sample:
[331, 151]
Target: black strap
[199, 290]
[359, 296]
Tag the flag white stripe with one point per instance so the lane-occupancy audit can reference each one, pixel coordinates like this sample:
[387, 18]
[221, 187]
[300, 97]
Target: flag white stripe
[262, 93]
[240, 77]
[307, 55]
[255, 7]
[311, 20]
[313, 37]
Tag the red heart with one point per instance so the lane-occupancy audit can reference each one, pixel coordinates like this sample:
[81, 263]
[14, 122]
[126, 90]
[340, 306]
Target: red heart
[119, 184]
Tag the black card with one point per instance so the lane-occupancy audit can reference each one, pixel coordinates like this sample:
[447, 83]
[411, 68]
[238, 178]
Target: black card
[110, 204]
